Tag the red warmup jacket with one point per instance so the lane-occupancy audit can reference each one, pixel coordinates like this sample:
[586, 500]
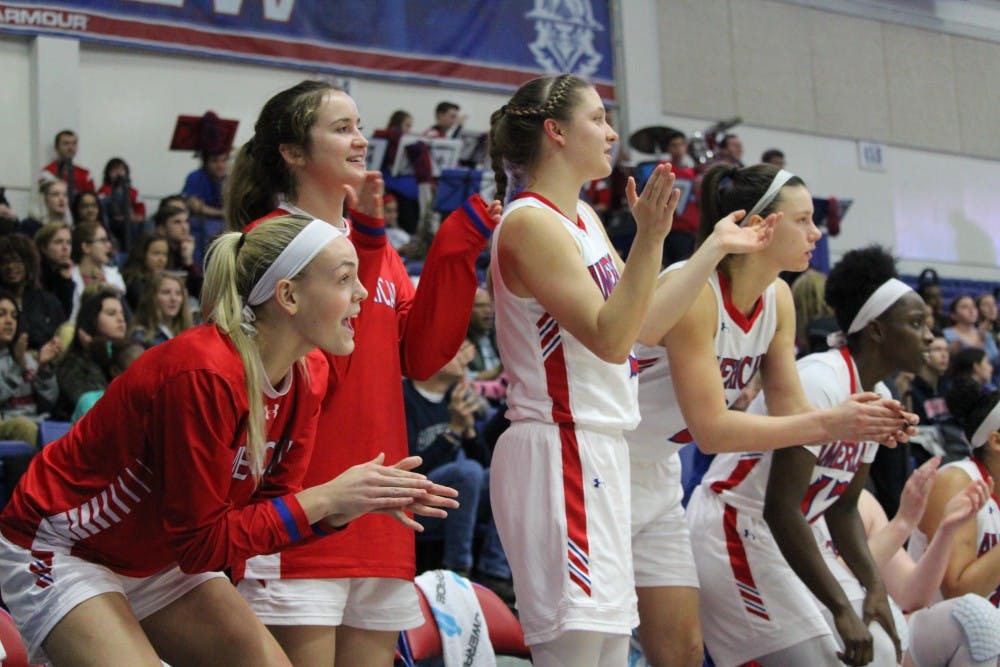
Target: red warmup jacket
[82, 182]
[157, 474]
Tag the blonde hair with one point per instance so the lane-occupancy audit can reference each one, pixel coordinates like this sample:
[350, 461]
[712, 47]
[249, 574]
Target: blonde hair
[235, 263]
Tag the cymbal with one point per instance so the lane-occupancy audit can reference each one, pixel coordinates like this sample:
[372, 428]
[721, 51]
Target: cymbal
[652, 139]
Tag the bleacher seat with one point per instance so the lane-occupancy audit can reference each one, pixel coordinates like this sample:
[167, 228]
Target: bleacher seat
[50, 430]
[17, 654]
[14, 458]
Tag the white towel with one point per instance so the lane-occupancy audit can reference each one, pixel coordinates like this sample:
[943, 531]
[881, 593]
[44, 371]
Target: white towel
[465, 639]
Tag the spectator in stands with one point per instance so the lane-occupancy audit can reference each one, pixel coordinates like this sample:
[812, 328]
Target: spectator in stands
[485, 363]
[91, 255]
[203, 187]
[401, 120]
[401, 123]
[163, 311]
[680, 242]
[441, 426]
[146, 260]
[100, 314]
[937, 433]
[86, 208]
[810, 306]
[62, 168]
[448, 122]
[398, 237]
[113, 355]
[929, 288]
[125, 212]
[55, 247]
[986, 303]
[966, 332]
[9, 221]
[971, 363]
[28, 386]
[172, 223]
[731, 150]
[53, 206]
[773, 156]
[41, 313]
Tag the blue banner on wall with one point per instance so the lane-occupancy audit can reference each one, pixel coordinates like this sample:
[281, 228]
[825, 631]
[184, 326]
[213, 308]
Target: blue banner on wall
[489, 44]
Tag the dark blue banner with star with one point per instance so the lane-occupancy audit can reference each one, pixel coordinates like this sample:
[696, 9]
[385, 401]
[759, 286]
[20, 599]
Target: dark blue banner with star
[487, 44]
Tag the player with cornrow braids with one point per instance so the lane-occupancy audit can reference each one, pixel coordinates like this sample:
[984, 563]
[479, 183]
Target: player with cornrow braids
[568, 310]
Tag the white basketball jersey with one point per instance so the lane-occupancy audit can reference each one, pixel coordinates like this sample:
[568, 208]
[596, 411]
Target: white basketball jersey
[553, 376]
[987, 520]
[828, 379]
[740, 345]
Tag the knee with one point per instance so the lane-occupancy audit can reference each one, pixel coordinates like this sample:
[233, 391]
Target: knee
[470, 473]
[683, 648]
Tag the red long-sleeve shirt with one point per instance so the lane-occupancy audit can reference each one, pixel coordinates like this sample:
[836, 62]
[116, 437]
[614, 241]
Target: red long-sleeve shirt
[156, 473]
[400, 331]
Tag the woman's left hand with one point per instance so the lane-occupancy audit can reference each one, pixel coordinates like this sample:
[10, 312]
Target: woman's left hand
[368, 198]
[736, 239]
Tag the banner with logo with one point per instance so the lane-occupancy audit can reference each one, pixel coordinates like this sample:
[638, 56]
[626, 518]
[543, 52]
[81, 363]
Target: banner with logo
[487, 44]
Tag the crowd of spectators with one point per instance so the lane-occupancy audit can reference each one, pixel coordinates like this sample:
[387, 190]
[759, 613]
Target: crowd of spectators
[87, 281]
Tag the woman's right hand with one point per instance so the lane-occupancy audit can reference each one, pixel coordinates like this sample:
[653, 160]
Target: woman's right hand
[374, 487]
[965, 505]
[653, 210]
[869, 417]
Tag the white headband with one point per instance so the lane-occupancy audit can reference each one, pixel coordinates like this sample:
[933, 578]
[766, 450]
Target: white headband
[989, 425]
[777, 183]
[880, 300]
[296, 255]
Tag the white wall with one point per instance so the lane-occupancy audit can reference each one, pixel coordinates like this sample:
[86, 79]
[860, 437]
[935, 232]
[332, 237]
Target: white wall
[933, 209]
[15, 120]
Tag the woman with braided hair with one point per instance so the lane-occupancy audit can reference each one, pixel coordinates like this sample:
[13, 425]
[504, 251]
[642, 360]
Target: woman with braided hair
[568, 311]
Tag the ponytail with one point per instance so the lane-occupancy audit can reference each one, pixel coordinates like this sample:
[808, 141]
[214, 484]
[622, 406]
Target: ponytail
[235, 263]
[260, 174]
[725, 188]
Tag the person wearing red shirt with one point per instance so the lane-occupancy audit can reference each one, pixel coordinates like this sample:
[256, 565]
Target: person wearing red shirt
[112, 541]
[77, 178]
[125, 211]
[680, 242]
[352, 595]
